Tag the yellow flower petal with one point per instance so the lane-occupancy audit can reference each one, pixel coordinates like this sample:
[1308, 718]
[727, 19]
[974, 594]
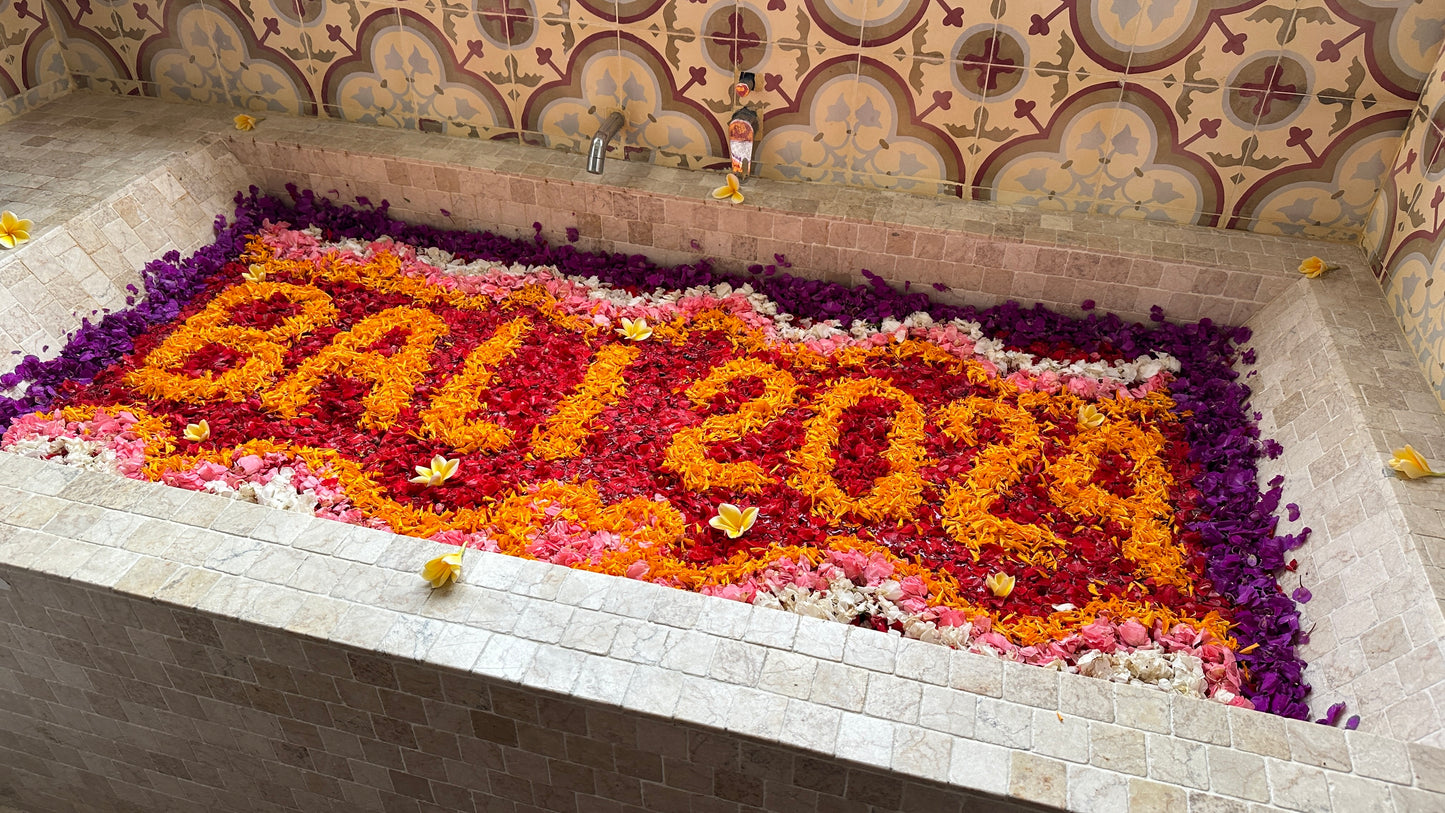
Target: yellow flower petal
[1090, 417]
[1411, 464]
[635, 329]
[729, 190]
[245, 122]
[750, 516]
[197, 431]
[443, 569]
[1000, 584]
[13, 230]
[1313, 267]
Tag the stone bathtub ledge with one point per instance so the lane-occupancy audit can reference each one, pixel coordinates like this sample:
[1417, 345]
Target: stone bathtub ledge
[955, 722]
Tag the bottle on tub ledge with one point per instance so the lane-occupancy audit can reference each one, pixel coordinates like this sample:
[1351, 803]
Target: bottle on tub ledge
[743, 129]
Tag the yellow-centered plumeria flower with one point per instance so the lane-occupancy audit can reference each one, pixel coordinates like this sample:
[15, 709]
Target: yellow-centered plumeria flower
[437, 473]
[13, 230]
[634, 329]
[1000, 584]
[1412, 465]
[197, 431]
[1090, 417]
[729, 190]
[256, 273]
[732, 520]
[1313, 267]
[244, 122]
[445, 568]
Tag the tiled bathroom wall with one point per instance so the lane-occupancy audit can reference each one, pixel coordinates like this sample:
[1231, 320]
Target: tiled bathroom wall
[1277, 116]
[1405, 234]
[32, 69]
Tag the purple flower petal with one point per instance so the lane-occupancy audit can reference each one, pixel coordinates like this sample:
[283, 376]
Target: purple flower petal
[1332, 715]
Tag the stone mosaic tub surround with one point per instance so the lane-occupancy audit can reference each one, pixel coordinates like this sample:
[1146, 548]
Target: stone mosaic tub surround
[999, 743]
[888, 467]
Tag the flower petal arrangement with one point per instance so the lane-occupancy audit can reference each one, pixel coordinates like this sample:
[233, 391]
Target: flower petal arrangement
[1074, 493]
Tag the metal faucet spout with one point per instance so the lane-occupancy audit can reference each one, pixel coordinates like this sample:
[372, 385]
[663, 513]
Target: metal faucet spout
[597, 155]
[742, 136]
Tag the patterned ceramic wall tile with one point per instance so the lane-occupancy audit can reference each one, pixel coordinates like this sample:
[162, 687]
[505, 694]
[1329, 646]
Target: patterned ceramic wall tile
[1405, 240]
[581, 84]
[1276, 115]
[676, 115]
[32, 70]
[262, 48]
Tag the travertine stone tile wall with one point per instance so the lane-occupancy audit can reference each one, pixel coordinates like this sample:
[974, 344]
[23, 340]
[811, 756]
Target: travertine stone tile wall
[107, 190]
[982, 253]
[1336, 387]
[115, 703]
[166, 649]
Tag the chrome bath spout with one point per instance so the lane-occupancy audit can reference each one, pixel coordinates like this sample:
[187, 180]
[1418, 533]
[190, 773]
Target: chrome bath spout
[742, 137]
[609, 129]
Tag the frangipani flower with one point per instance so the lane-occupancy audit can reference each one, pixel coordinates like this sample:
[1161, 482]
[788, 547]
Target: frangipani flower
[634, 329]
[13, 230]
[437, 473]
[245, 122]
[1000, 584]
[1090, 417]
[256, 273]
[732, 520]
[445, 568]
[197, 431]
[1411, 465]
[729, 190]
[1313, 267]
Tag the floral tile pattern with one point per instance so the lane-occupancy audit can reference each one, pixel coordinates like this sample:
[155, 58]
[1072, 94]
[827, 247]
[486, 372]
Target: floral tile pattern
[1405, 238]
[1218, 114]
[32, 69]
